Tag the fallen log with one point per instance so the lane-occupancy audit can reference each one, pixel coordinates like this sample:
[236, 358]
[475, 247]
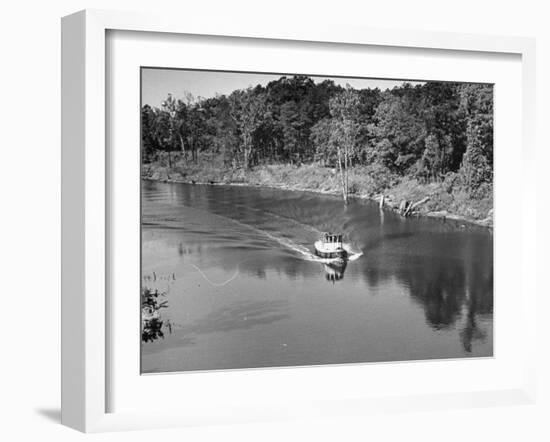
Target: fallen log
[403, 207]
[411, 207]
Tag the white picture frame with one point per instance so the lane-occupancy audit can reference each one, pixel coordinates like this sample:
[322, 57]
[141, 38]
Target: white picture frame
[85, 202]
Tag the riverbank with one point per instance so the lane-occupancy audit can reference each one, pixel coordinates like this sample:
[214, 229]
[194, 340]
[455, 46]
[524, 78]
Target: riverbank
[437, 200]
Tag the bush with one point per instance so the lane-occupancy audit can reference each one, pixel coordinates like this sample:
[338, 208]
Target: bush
[484, 191]
[452, 180]
[364, 181]
[354, 188]
[151, 320]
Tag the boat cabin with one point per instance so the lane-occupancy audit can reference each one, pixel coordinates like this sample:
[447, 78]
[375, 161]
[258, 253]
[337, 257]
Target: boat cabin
[332, 239]
[330, 246]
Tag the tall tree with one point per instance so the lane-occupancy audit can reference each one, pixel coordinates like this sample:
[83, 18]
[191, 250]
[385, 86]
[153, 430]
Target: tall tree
[475, 169]
[167, 127]
[224, 137]
[344, 112]
[149, 143]
[398, 132]
[326, 151]
[248, 111]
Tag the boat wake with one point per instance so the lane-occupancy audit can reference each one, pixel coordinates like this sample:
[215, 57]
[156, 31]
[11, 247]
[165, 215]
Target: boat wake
[301, 250]
[217, 284]
[352, 256]
[298, 249]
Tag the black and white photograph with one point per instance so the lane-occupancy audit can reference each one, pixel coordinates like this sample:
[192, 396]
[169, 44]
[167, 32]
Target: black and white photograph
[298, 220]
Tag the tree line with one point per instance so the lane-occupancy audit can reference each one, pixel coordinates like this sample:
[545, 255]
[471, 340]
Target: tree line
[429, 131]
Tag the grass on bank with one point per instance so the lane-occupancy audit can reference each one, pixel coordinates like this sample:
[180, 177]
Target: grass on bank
[445, 197]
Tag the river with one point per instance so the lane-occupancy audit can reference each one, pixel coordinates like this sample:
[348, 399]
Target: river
[243, 289]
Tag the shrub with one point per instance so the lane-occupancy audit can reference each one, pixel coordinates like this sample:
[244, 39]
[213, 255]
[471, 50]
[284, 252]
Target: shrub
[452, 180]
[353, 188]
[151, 321]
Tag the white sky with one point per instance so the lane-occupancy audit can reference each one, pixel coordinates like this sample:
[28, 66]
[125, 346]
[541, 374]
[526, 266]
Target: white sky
[157, 83]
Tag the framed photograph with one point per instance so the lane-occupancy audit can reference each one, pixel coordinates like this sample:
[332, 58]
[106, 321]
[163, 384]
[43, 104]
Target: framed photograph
[270, 222]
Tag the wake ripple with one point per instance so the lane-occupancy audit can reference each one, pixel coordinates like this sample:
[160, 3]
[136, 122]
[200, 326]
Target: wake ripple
[302, 251]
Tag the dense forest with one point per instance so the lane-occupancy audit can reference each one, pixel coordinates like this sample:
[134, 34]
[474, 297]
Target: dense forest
[436, 136]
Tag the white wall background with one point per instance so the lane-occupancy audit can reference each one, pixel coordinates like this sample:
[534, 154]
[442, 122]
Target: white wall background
[30, 215]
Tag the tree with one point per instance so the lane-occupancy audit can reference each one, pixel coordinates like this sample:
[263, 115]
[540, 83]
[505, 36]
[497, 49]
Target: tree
[445, 123]
[398, 132]
[196, 130]
[149, 143]
[180, 116]
[423, 131]
[296, 104]
[476, 102]
[323, 140]
[248, 111]
[475, 169]
[345, 128]
[222, 129]
[430, 163]
[290, 124]
[166, 127]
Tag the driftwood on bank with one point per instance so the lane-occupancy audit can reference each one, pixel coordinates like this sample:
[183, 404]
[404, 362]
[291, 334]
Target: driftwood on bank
[410, 207]
[403, 207]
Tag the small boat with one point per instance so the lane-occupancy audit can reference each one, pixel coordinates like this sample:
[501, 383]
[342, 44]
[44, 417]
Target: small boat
[330, 246]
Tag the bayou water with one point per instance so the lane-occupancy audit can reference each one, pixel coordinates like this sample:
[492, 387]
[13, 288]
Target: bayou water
[243, 290]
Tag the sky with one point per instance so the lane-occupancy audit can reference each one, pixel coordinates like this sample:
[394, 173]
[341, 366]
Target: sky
[158, 83]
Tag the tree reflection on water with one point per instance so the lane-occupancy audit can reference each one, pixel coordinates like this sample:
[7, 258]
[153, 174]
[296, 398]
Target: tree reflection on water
[451, 296]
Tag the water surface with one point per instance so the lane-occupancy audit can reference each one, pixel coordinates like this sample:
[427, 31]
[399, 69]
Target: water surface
[243, 289]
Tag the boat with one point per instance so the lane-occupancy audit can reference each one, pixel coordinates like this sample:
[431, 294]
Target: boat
[330, 246]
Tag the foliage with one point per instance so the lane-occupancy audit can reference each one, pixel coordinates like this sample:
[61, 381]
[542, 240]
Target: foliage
[249, 112]
[151, 321]
[423, 132]
[477, 162]
[344, 111]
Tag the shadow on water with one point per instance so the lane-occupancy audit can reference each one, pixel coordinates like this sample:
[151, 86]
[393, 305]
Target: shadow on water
[450, 295]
